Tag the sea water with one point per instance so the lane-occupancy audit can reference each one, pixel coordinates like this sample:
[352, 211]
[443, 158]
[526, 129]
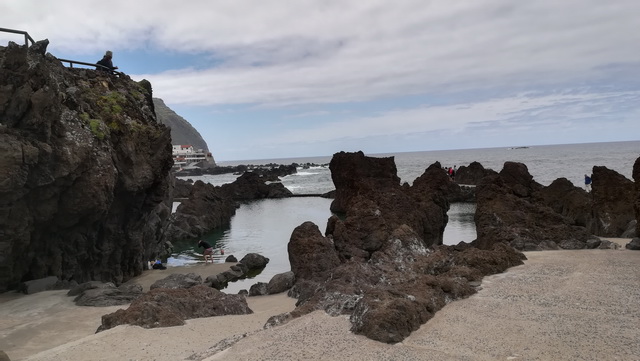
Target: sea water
[265, 226]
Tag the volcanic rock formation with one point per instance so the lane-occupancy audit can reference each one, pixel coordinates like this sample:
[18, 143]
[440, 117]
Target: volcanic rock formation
[381, 263]
[511, 210]
[210, 207]
[207, 208]
[473, 173]
[612, 202]
[84, 171]
[636, 204]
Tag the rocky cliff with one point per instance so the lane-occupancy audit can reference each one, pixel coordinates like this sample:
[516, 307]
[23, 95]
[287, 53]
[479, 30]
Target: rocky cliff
[84, 171]
[181, 131]
[636, 204]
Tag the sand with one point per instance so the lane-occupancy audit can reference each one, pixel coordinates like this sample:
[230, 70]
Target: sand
[559, 305]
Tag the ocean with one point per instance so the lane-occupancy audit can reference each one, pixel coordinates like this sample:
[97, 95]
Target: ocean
[265, 226]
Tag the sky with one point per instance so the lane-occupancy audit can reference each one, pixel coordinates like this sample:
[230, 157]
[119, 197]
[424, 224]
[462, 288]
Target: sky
[282, 79]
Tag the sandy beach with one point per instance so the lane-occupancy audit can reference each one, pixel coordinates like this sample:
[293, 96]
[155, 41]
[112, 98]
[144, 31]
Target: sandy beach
[559, 305]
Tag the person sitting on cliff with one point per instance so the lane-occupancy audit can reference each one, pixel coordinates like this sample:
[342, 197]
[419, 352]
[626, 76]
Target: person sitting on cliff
[208, 250]
[107, 64]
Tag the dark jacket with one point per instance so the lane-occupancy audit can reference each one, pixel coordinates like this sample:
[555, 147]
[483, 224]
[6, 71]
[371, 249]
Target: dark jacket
[106, 61]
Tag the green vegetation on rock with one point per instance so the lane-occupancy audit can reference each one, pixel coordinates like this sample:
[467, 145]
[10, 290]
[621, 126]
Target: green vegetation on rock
[112, 103]
[96, 128]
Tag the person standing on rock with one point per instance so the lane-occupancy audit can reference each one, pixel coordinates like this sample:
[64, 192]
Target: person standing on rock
[587, 183]
[208, 250]
[106, 62]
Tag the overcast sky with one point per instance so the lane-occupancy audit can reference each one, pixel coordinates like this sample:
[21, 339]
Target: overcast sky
[277, 79]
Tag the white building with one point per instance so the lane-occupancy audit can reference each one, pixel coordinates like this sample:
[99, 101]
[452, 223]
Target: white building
[185, 155]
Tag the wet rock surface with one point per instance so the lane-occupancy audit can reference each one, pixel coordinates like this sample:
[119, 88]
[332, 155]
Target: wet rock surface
[251, 262]
[254, 261]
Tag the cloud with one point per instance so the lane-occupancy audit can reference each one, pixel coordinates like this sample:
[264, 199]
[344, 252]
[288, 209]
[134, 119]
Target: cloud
[504, 114]
[381, 75]
[304, 52]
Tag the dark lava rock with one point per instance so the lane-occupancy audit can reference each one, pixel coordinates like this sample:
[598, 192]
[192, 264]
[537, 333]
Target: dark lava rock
[473, 173]
[231, 275]
[231, 259]
[630, 232]
[254, 261]
[84, 172]
[369, 193]
[251, 185]
[569, 201]
[310, 253]
[248, 263]
[636, 204]
[207, 208]
[507, 211]
[182, 188]
[163, 307]
[281, 282]
[402, 285]
[612, 206]
[216, 282]
[436, 180]
[380, 263]
[258, 289]
[634, 244]
[178, 280]
[39, 285]
[4, 356]
[353, 173]
[109, 295]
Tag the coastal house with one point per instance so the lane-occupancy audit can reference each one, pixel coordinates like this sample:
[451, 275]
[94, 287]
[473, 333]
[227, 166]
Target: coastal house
[186, 155]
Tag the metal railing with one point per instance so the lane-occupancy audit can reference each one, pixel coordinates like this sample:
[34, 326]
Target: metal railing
[102, 67]
[27, 37]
